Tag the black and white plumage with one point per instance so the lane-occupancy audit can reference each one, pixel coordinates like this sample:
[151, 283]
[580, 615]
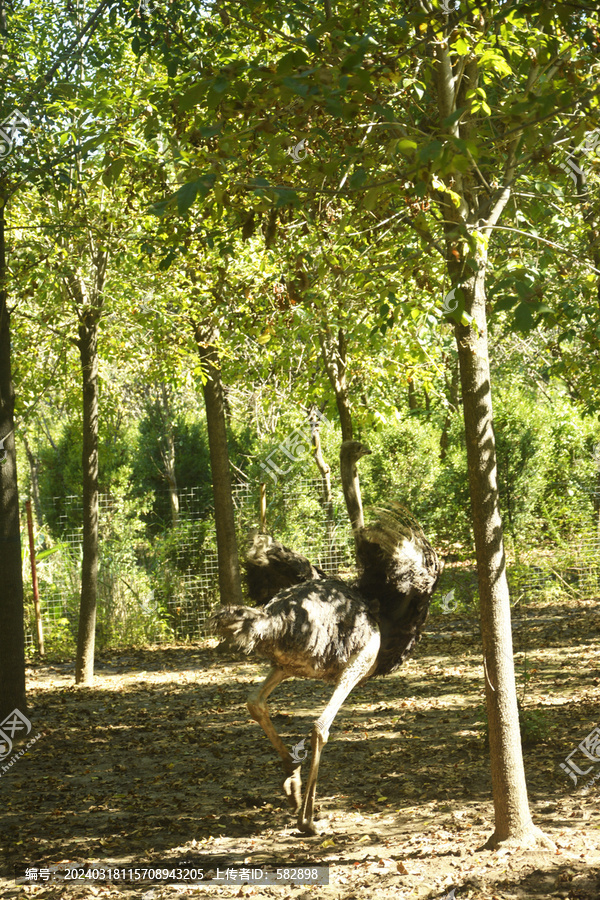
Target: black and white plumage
[328, 630]
[271, 567]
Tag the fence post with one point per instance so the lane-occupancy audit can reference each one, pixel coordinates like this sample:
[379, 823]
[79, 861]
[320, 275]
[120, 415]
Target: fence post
[36, 595]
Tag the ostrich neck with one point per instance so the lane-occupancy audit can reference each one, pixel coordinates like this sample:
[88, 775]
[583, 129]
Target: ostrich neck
[351, 488]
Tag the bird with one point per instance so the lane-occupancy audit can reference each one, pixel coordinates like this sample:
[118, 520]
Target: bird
[326, 629]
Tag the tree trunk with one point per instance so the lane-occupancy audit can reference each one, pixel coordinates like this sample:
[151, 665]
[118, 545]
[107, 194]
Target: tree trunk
[230, 585]
[334, 356]
[453, 404]
[168, 456]
[325, 472]
[512, 817]
[12, 637]
[412, 395]
[34, 470]
[88, 351]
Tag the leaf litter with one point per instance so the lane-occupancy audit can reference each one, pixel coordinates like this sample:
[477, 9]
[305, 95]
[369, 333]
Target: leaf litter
[160, 761]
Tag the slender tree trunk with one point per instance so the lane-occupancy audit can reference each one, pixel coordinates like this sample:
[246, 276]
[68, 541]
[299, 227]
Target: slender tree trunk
[512, 817]
[333, 351]
[453, 404]
[325, 472]
[12, 638]
[34, 581]
[88, 351]
[412, 395]
[34, 468]
[168, 456]
[169, 463]
[230, 585]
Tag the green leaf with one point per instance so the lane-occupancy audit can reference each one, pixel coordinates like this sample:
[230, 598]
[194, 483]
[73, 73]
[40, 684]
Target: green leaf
[504, 303]
[220, 84]
[285, 197]
[358, 178]
[193, 95]
[211, 130]
[185, 196]
[523, 318]
[405, 145]
[297, 86]
[291, 61]
[432, 150]
[493, 60]
[353, 60]
[461, 46]
[454, 117]
[45, 553]
[205, 183]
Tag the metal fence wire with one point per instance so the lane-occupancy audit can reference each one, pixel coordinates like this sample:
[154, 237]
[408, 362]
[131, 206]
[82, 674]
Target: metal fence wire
[158, 577]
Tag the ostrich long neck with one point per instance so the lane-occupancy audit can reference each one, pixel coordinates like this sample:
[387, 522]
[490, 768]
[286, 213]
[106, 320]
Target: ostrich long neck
[351, 488]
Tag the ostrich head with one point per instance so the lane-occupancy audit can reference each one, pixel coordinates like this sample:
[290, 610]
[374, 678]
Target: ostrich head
[350, 453]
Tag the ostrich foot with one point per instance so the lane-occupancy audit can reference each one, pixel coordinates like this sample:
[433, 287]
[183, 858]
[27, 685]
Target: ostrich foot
[292, 788]
[309, 827]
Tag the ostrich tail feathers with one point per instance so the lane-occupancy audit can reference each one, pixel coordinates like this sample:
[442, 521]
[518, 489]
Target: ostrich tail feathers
[241, 626]
[399, 571]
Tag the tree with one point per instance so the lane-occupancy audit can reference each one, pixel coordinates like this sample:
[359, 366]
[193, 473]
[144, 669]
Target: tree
[395, 119]
[23, 46]
[88, 301]
[12, 655]
[230, 585]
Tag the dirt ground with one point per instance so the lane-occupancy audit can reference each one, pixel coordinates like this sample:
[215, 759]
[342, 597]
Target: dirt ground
[159, 762]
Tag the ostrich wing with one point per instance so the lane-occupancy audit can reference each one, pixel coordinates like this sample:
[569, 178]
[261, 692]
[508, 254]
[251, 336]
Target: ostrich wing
[271, 567]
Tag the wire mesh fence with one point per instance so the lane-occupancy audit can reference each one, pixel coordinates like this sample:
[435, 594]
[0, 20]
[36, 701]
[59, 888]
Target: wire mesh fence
[158, 576]
[158, 580]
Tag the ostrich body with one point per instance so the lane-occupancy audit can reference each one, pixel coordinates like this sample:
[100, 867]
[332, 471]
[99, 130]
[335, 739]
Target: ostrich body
[331, 631]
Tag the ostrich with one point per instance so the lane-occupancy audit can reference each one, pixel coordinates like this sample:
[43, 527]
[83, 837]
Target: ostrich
[325, 629]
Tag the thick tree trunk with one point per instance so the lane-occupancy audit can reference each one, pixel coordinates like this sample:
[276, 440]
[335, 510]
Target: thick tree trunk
[230, 585]
[333, 351]
[512, 817]
[12, 638]
[88, 351]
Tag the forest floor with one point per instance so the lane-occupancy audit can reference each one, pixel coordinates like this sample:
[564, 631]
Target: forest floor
[160, 763]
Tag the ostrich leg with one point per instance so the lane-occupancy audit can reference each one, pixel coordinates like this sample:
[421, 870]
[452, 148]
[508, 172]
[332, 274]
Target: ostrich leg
[258, 709]
[359, 667]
